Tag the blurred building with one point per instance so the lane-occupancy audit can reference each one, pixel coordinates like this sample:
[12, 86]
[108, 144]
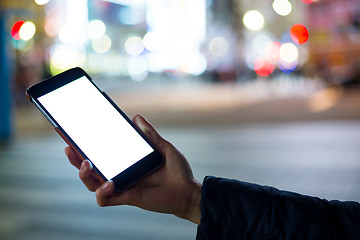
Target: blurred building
[231, 39]
[334, 49]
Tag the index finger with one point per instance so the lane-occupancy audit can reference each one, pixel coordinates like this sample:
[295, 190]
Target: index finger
[73, 157]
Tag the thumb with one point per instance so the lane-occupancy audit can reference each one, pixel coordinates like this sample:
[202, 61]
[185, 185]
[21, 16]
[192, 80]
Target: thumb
[148, 130]
[163, 146]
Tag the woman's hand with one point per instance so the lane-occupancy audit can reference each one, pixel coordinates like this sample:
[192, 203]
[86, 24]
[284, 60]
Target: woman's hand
[171, 189]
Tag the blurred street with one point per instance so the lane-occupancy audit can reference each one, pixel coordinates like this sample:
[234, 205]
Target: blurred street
[271, 140]
[261, 91]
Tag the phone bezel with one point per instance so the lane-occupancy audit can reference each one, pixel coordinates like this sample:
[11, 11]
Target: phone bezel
[124, 179]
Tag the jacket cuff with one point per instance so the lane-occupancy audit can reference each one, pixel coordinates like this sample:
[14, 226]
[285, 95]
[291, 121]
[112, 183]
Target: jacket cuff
[230, 209]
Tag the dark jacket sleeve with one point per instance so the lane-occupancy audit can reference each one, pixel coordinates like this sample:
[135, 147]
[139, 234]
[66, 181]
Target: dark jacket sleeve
[237, 210]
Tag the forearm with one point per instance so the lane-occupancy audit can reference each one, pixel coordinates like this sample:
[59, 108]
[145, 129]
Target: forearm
[239, 210]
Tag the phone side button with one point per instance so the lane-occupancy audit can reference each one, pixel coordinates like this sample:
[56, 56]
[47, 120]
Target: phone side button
[28, 95]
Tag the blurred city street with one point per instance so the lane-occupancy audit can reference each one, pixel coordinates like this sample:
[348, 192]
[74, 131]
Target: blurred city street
[274, 141]
[261, 91]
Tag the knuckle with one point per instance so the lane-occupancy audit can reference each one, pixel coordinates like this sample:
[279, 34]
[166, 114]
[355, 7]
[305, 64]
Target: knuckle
[91, 188]
[101, 202]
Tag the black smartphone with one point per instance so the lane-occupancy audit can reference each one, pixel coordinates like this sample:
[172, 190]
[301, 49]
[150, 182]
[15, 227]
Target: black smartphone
[95, 127]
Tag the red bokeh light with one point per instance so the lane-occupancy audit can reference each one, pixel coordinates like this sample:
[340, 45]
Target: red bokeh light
[263, 67]
[299, 34]
[307, 1]
[15, 29]
[273, 52]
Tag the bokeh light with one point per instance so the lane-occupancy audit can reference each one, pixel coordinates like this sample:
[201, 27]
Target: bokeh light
[263, 67]
[22, 45]
[134, 45]
[308, 1]
[282, 7]
[102, 44]
[156, 42]
[68, 34]
[27, 30]
[287, 67]
[15, 29]
[63, 57]
[41, 2]
[153, 41]
[259, 45]
[110, 64]
[95, 29]
[253, 20]
[218, 46]
[137, 68]
[299, 34]
[272, 52]
[156, 61]
[131, 15]
[194, 64]
[52, 25]
[249, 58]
[289, 53]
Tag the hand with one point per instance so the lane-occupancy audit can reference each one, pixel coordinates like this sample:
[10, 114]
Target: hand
[171, 189]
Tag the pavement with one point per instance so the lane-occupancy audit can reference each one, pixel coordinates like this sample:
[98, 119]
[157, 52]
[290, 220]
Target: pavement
[296, 137]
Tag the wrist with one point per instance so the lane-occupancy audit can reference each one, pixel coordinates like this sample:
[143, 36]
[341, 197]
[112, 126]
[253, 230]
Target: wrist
[194, 210]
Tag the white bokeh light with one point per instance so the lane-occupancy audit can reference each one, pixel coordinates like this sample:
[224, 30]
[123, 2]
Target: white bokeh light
[219, 46]
[153, 41]
[74, 19]
[95, 29]
[27, 31]
[253, 20]
[134, 46]
[289, 53]
[41, 2]
[64, 56]
[195, 64]
[102, 44]
[68, 34]
[259, 45]
[282, 7]
[137, 68]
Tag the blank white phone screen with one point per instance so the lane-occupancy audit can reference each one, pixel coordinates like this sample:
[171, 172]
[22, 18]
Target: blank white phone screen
[98, 129]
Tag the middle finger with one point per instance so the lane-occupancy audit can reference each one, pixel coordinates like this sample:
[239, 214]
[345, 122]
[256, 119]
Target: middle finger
[87, 176]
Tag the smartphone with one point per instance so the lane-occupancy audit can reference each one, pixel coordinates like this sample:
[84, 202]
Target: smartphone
[95, 128]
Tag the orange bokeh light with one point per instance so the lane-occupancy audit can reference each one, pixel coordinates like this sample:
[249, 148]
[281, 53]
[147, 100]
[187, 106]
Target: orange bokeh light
[299, 33]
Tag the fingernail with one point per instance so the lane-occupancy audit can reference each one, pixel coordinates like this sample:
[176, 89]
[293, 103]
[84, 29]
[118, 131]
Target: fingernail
[141, 125]
[107, 186]
[143, 128]
[84, 166]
